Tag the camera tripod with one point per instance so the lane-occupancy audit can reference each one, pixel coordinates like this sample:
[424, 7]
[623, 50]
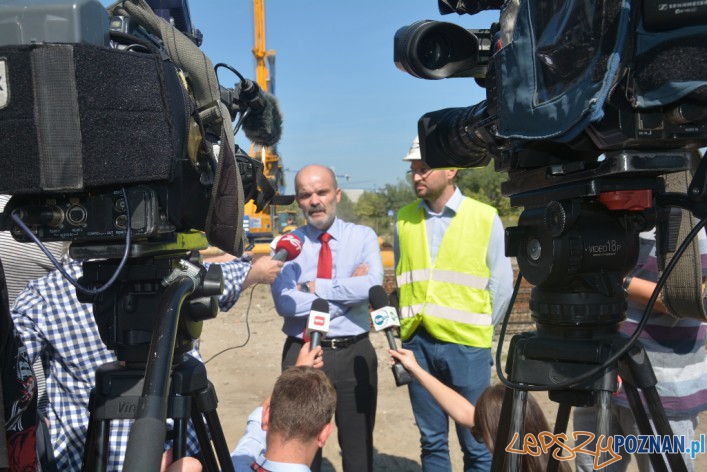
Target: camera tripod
[551, 356]
[575, 253]
[150, 317]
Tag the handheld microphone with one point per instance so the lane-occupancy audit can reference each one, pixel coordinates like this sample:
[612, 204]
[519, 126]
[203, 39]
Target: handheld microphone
[318, 322]
[384, 318]
[263, 124]
[288, 247]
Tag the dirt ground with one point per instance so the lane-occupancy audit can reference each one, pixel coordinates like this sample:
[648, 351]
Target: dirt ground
[244, 376]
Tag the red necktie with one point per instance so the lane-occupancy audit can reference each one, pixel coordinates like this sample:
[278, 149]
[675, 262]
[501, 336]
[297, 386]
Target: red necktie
[324, 268]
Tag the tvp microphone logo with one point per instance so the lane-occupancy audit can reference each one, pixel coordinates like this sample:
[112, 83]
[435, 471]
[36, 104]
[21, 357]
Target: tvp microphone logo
[385, 317]
[319, 321]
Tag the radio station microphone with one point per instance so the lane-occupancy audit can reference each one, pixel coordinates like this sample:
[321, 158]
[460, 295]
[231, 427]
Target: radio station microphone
[288, 247]
[318, 322]
[263, 124]
[385, 318]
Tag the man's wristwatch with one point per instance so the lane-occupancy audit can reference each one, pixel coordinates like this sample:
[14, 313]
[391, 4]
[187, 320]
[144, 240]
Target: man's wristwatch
[304, 287]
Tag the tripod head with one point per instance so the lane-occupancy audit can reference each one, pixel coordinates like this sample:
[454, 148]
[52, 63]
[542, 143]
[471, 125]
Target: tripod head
[576, 253]
[126, 313]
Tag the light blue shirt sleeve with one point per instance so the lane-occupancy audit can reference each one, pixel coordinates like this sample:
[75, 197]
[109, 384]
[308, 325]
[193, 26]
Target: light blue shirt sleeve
[252, 444]
[501, 280]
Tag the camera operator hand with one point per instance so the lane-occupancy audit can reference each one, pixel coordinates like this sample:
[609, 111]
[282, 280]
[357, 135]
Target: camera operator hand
[263, 271]
[185, 464]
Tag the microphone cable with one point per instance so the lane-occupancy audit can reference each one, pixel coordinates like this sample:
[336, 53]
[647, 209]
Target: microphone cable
[247, 327]
[61, 269]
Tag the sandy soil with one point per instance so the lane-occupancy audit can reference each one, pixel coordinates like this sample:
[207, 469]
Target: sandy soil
[245, 375]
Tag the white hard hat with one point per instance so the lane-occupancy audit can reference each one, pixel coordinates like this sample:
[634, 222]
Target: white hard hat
[414, 151]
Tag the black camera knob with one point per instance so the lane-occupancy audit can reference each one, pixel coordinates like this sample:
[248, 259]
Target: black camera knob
[556, 220]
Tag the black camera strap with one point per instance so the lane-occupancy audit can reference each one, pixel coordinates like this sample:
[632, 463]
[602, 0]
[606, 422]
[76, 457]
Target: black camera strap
[682, 294]
[224, 227]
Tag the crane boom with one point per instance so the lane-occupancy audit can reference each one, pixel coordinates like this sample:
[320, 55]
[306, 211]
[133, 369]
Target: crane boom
[260, 227]
[259, 51]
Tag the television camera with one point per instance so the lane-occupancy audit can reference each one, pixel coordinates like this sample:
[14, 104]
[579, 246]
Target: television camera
[593, 109]
[117, 138]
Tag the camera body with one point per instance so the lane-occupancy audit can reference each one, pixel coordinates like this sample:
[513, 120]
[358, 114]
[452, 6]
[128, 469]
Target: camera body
[567, 85]
[589, 106]
[95, 103]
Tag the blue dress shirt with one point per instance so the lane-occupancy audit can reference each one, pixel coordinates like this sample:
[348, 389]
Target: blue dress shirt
[351, 245]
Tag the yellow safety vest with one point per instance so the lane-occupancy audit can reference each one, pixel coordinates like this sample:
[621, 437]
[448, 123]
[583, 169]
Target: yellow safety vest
[450, 297]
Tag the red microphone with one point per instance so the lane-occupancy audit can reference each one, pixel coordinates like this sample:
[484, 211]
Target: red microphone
[288, 247]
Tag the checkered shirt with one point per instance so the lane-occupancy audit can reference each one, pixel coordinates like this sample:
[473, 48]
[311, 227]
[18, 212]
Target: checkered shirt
[54, 324]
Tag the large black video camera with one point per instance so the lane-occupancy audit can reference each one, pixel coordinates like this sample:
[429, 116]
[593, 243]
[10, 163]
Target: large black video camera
[575, 89]
[588, 104]
[98, 105]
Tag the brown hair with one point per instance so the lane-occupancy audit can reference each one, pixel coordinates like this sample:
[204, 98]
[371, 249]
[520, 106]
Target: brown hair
[487, 415]
[302, 402]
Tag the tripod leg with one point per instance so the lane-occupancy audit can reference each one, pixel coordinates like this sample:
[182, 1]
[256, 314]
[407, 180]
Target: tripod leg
[640, 375]
[603, 421]
[561, 422]
[180, 438]
[206, 402]
[662, 427]
[499, 453]
[644, 426]
[207, 452]
[89, 445]
[95, 457]
[520, 398]
[513, 409]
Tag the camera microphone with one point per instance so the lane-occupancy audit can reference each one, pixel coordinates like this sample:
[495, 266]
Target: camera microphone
[384, 318]
[318, 322]
[288, 247]
[263, 124]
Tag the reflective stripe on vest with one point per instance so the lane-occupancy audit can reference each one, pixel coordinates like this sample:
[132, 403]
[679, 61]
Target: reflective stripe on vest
[450, 297]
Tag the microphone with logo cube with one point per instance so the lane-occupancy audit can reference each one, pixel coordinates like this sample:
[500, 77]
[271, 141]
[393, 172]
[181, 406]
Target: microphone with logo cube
[385, 318]
[318, 322]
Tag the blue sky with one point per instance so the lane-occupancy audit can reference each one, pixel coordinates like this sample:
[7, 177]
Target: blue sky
[344, 102]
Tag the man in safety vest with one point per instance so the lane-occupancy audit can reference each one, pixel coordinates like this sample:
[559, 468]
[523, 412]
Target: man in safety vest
[454, 284]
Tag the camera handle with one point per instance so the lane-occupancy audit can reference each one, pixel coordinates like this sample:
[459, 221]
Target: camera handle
[164, 387]
[145, 442]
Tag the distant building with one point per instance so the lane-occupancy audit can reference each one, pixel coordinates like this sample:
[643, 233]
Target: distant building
[353, 193]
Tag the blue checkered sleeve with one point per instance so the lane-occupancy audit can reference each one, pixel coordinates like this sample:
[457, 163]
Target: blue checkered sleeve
[54, 324]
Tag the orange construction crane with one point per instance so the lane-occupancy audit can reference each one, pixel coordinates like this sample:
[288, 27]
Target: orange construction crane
[260, 228]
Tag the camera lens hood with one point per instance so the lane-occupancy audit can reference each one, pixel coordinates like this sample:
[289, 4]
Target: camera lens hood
[435, 50]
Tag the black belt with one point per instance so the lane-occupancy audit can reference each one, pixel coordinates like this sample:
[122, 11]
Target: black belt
[342, 342]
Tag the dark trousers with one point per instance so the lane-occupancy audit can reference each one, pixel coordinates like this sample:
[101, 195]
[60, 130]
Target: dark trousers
[353, 371]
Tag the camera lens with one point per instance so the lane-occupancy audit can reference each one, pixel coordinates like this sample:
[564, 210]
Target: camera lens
[434, 51]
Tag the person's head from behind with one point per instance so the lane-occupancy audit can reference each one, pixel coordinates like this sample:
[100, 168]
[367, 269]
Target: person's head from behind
[486, 418]
[301, 406]
[317, 195]
[429, 184]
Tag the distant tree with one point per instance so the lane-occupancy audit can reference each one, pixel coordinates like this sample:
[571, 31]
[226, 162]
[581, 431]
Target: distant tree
[374, 209]
[370, 208]
[397, 195]
[345, 209]
[484, 185]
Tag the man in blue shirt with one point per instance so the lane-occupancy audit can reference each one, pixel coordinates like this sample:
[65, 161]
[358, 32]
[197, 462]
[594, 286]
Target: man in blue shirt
[354, 265]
